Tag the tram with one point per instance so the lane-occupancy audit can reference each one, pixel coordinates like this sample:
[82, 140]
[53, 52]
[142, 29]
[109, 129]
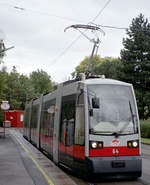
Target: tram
[90, 125]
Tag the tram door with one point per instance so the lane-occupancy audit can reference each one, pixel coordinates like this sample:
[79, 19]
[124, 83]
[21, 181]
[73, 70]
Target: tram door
[67, 126]
[29, 121]
[69, 137]
[26, 122]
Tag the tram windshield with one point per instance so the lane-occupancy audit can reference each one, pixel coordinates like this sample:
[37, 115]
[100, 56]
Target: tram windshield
[111, 110]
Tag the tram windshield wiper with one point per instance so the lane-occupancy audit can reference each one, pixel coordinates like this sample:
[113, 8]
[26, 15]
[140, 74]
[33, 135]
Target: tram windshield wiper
[92, 131]
[121, 131]
[116, 134]
[133, 116]
[125, 125]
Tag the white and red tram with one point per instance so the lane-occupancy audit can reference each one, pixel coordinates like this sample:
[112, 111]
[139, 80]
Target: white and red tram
[90, 126]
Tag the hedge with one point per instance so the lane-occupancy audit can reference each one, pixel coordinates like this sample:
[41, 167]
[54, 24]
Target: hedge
[145, 129]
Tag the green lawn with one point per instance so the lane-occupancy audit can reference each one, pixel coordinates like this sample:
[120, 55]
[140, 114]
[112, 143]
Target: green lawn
[145, 140]
[145, 121]
[145, 131]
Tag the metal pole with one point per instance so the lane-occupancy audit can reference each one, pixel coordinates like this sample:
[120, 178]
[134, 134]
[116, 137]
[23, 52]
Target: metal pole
[4, 123]
[91, 58]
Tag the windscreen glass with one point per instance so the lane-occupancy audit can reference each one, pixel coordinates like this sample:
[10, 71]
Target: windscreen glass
[111, 110]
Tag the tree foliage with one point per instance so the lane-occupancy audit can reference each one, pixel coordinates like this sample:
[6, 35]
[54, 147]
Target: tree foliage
[136, 60]
[110, 67]
[17, 88]
[1, 50]
[41, 82]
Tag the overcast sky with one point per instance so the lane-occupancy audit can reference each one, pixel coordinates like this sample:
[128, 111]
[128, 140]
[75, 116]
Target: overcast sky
[37, 32]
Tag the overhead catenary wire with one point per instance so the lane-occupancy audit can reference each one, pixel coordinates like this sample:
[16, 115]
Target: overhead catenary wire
[64, 18]
[99, 13]
[68, 19]
[47, 14]
[39, 12]
[113, 27]
[74, 41]
[67, 48]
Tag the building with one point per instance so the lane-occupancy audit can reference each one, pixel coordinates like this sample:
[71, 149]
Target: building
[16, 118]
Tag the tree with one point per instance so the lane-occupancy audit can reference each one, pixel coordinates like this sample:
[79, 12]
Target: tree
[83, 66]
[41, 82]
[2, 53]
[136, 60]
[110, 67]
[16, 89]
[3, 78]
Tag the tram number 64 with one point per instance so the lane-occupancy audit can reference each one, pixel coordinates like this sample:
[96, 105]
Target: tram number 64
[115, 151]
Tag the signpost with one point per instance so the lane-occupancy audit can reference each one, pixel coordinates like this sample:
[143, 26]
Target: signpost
[5, 106]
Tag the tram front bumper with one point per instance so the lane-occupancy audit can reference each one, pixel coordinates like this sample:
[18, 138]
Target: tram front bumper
[122, 164]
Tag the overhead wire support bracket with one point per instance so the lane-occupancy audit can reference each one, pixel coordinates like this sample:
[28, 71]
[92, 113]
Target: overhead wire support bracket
[96, 42]
[87, 27]
[83, 26]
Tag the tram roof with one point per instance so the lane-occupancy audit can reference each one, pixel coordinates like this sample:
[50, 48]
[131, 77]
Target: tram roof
[105, 81]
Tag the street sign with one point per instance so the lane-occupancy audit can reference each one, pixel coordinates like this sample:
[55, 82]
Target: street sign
[5, 105]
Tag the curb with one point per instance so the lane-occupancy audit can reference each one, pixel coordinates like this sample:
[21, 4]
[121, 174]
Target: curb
[145, 143]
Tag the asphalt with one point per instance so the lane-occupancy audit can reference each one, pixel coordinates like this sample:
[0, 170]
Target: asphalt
[23, 164]
[16, 167]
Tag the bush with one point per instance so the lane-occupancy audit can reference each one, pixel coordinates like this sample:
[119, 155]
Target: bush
[145, 129]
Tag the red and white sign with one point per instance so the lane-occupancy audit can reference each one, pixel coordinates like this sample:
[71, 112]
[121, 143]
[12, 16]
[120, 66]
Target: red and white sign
[5, 105]
[115, 142]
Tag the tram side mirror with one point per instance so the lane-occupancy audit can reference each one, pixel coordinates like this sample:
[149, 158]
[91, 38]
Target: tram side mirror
[95, 103]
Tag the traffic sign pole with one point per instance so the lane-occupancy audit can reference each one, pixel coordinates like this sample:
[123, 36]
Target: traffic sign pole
[4, 124]
[5, 106]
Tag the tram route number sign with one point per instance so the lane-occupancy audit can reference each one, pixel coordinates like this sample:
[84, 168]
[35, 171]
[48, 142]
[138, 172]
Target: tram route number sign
[5, 105]
[115, 151]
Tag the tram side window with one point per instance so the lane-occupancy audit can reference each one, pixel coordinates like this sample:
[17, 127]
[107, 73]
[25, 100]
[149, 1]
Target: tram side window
[70, 133]
[50, 117]
[80, 121]
[42, 119]
[27, 115]
[35, 116]
[63, 132]
[67, 120]
[48, 114]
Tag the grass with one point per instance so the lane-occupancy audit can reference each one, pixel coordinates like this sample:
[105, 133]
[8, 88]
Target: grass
[145, 131]
[145, 140]
[145, 128]
[145, 121]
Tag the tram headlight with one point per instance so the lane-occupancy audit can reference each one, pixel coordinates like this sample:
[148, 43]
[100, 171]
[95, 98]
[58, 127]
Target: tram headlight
[133, 144]
[96, 144]
[130, 144]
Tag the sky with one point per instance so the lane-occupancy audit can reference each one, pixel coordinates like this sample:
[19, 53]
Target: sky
[36, 31]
